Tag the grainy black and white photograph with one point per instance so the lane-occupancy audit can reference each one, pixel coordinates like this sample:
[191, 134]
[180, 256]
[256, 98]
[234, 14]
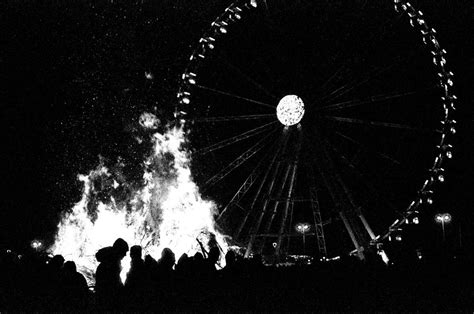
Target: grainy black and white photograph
[236, 156]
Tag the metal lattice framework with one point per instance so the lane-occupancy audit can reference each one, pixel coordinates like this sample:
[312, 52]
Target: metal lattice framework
[275, 162]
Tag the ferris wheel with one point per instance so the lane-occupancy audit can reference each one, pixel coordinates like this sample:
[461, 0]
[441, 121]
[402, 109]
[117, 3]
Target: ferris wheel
[327, 120]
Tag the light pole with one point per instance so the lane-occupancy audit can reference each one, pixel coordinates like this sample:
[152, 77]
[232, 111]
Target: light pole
[443, 219]
[302, 228]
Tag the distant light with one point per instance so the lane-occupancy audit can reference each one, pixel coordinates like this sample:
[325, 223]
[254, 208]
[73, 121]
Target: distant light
[302, 227]
[398, 238]
[447, 217]
[274, 244]
[148, 75]
[36, 244]
[186, 100]
[416, 220]
[443, 218]
[384, 256]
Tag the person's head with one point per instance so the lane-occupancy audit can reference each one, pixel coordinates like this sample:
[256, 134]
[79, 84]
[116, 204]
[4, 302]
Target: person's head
[69, 267]
[183, 259]
[198, 257]
[57, 261]
[167, 257]
[136, 252]
[120, 247]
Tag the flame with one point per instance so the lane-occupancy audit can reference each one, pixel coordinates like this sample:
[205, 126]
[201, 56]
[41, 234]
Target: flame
[167, 211]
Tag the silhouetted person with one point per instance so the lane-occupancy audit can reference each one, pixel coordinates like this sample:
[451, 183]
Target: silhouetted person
[137, 281]
[230, 259]
[136, 275]
[167, 260]
[182, 266]
[73, 287]
[53, 275]
[213, 258]
[108, 284]
[166, 280]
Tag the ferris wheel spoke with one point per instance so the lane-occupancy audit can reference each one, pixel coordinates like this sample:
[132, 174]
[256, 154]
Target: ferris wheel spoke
[252, 81]
[364, 147]
[224, 93]
[351, 85]
[249, 153]
[370, 100]
[235, 139]
[235, 118]
[280, 146]
[381, 124]
[365, 178]
[332, 78]
[248, 182]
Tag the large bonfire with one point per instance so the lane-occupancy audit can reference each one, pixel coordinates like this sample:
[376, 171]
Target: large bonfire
[167, 209]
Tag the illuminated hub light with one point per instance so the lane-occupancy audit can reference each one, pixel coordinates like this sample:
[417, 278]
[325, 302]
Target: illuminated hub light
[290, 110]
[166, 211]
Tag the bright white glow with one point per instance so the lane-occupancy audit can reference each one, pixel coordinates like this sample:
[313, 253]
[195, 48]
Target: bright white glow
[447, 217]
[166, 211]
[384, 256]
[443, 218]
[148, 75]
[290, 110]
[36, 244]
[416, 220]
[149, 121]
[302, 227]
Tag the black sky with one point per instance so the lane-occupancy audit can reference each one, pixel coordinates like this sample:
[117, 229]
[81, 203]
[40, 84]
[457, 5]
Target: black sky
[72, 86]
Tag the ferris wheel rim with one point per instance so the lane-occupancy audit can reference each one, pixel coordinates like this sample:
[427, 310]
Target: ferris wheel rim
[236, 11]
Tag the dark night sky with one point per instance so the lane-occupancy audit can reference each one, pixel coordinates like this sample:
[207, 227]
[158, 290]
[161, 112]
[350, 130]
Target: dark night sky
[72, 87]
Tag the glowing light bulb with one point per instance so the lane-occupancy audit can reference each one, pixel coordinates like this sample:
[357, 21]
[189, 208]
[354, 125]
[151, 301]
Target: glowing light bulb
[290, 110]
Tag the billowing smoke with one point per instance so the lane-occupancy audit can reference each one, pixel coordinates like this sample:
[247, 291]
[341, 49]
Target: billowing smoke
[166, 210]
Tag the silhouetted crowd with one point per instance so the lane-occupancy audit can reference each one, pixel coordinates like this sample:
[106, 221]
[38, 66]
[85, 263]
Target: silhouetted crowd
[35, 282]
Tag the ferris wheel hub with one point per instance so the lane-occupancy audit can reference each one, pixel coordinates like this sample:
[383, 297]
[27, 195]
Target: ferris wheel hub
[290, 110]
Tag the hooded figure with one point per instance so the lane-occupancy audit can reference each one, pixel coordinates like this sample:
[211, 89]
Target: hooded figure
[107, 277]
